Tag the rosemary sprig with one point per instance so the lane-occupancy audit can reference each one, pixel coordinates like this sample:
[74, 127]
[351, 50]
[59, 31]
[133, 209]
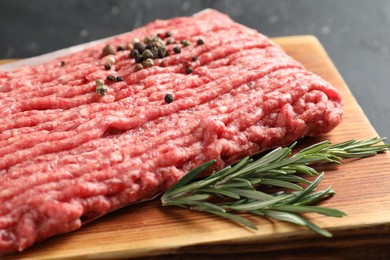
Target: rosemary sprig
[237, 188]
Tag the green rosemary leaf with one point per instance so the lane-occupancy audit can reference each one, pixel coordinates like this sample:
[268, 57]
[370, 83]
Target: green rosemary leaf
[197, 197]
[342, 144]
[280, 163]
[354, 154]
[317, 229]
[302, 168]
[285, 216]
[189, 200]
[190, 176]
[308, 190]
[291, 178]
[260, 204]
[315, 148]
[238, 219]
[203, 206]
[281, 183]
[241, 164]
[253, 194]
[273, 156]
[318, 157]
[283, 171]
[298, 220]
[225, 192]
[316, 196]
[304, 209]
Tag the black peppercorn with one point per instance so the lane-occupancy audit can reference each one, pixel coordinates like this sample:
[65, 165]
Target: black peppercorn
[188, 70]
[139, 59]
[168, 98]
[110, 78]
[120, 48]
[147, 54]
[119, 78]
[168, 34]
[194, 58]
[134, 53]
[140, 46]
[200, 42]
[185, 43]
[63, 63]
[107, 66]
[177, 49]
[154, 51]
[161, 53]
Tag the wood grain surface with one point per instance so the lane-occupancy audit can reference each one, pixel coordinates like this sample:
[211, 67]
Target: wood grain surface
[148, 230]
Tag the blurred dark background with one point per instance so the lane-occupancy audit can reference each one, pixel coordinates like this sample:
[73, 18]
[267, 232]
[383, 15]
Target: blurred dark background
[355, 33]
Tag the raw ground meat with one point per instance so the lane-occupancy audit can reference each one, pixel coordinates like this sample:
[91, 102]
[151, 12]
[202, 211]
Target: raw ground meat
[68, 155]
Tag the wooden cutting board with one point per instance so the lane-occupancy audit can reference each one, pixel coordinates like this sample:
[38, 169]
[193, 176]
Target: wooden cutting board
[149, 230]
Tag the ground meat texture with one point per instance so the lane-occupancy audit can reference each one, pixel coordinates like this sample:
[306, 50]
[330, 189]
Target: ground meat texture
[68, 155]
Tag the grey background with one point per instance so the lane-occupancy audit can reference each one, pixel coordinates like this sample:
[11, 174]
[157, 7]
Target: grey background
[355, 33]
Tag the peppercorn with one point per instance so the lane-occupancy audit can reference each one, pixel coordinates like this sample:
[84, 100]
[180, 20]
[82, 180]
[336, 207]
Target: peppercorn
[177, 49]
[101, 90]
[200, 42]
[119, 78]
[107, 66]
[168, 98]
[185, 43]
[139, 59]
[154, 51]
[161, 53]
[188, 70]
[158, 44]
[138, 67]
[120, 48]
[194, 58]
[168, 34]
[134, 53]
[111, 60]
[107, 50]
[163, 63]
[148, 63]
[140, 46]
[63, 63]
[148, 39]
[110, 78]
[130, 46]
[169, 41]
[147, 54]
[99, 82]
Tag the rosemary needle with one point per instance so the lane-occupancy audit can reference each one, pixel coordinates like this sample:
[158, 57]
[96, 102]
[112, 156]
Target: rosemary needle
[237, 188]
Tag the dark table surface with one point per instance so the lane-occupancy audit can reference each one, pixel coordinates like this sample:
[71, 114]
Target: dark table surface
[355, 33]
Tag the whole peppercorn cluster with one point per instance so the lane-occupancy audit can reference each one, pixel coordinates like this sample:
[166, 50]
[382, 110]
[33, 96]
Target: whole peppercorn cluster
[147, 50]
[144, 54]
